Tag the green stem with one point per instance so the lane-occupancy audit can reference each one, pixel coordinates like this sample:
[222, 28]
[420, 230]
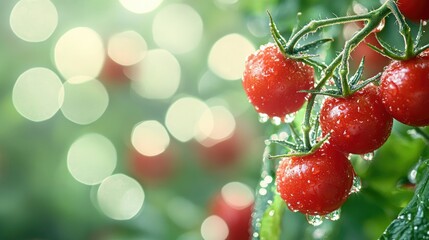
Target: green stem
[373, 18]
[405, 31]
[313, 25]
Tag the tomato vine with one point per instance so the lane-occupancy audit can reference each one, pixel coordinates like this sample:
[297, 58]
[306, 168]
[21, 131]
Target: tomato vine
[367, 120]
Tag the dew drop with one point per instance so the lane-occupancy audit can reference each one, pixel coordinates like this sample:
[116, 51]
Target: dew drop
[283, 136]
[267, 142]
[367, 156]
[380, 26]
[276, 121]
[412, 176]
[271, 213]
[314, 220]
[424, 23]
[255, 235]
[334, 216]
[409, 216]
[289, 118]
[357, 185]
[263, 118]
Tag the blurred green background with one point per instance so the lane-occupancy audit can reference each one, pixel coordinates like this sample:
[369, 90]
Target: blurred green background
[123, 119]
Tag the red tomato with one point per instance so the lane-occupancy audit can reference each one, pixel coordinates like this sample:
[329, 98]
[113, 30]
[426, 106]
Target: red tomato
[237, 219]
[152, 170]
[358, 124]
[415, 10]
[315, 184]
[404, 90]
[272, 82]
[374, 62]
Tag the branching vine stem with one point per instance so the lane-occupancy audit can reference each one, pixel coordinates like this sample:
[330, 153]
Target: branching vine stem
[372, 19]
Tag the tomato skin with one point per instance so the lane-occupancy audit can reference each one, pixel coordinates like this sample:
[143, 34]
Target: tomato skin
[404, 90]
[415, 10]
[358, 124]
[315, 184]
[272, 82]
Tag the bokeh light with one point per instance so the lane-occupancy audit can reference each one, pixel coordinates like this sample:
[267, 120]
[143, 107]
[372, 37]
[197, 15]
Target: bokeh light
[237, 195]
[120, 197]
[178, 28]
[126, 48]
[183, 116]
[79, 53]
[91, 158]
[84, 102]
[36, 94]
[157, 76]
[150, 138]
[228, 54]
[34, 20]
[217, 124]
[214, 228]
[140, 6]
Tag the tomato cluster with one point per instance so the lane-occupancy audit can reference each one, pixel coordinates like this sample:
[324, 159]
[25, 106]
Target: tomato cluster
[318, 183]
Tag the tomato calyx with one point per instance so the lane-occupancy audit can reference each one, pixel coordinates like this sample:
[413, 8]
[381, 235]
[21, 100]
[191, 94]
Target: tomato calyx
[297, 150]
[411, 44]
[354, 82]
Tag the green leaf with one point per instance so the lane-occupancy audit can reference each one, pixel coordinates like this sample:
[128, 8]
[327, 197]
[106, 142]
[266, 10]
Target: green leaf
[413, 220]
[272, 219]
[358, 75]
[278, 38]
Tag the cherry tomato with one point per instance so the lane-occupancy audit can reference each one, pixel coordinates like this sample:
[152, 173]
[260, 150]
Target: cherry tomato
[358, 123]
[315, 184]
[415, 10]
[374, 62]
[272, 82]
[404, 90]
[237, 218]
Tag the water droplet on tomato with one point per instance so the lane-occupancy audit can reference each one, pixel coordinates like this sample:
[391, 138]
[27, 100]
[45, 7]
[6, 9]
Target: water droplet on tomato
[263, 118]
[367, 156]
[314, 220]
[289, 118]
[357, 185]
[393, 89]
[276, 121]
[334, 216]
